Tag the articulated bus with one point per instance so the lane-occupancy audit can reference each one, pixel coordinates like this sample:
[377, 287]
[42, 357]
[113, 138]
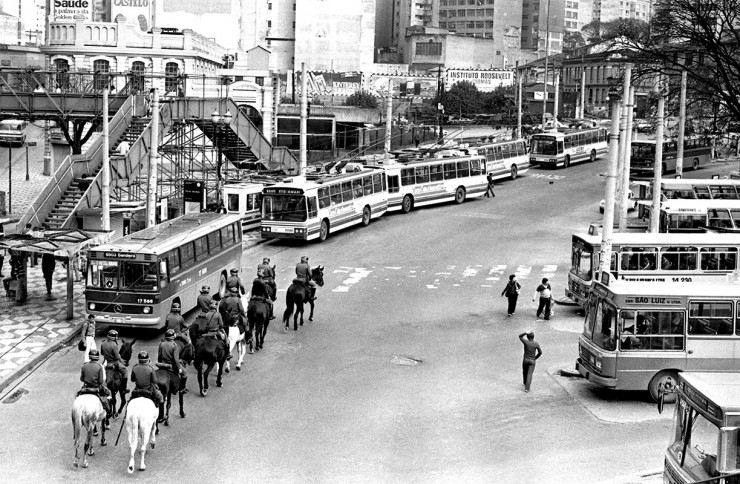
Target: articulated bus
[697, 152]
[639, 336]
[564, 148]
[434, 180]
[304, 209]
[662, 258]
[134, 280]
[705, 436]
[504, 158]
[245, 198]
[690, 215]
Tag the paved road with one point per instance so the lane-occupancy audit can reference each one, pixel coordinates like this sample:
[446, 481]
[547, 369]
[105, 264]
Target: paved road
[410, 371]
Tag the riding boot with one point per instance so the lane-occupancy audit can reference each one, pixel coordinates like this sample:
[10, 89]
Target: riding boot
[124, 384]
[270, 314]
[313, 293]
[228, 348]
[184, 384]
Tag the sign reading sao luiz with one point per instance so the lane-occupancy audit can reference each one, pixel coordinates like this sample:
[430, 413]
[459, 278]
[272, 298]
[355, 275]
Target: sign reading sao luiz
[484, 80]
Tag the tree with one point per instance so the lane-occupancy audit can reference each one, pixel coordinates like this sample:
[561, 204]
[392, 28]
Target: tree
[362, 99]
[462, 98]
[572, 40]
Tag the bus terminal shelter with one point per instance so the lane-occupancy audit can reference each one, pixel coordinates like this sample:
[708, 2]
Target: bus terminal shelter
[62, 243]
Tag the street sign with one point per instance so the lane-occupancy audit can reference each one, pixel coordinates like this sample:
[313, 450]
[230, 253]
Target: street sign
[194, 191]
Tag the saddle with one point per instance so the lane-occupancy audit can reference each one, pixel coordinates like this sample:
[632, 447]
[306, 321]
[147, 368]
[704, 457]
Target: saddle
[300, 281]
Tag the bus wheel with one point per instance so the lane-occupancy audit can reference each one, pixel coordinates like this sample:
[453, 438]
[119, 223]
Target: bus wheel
[407, 204]
[695, 164]
[366, 216]
[592, 157]
[567, 161]
[666, 380]
[324, 230]
[459, 195]
[514, 172]
[222, 286]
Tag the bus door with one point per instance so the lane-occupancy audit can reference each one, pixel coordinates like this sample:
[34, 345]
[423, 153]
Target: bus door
[561, 147]
[710, 343]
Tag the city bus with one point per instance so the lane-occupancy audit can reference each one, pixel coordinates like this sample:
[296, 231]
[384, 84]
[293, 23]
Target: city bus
[639, 336]
[504, 158]
[564, 148]
[428, 181]
[307, 209]
[690, 215]
[697, 152]
[704, 445]
[662, 258]
[700, 188]
[245, 198]
[134, 280]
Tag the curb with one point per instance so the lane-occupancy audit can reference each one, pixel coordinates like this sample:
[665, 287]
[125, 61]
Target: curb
[565, 301]
[35, 359]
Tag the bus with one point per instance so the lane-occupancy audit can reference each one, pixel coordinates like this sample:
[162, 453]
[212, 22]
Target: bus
[639, 336]
[434, 180]
[245, 198]
[697, 152]
[689, 215]
[662, 258]
[704, 445]
[134, 280]
[13, 131]
[564, 148]
[700, 188]
[307, 209]
[504, 158]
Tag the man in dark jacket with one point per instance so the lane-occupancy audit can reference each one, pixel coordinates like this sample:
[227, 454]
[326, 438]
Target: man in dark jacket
[204, 299]
[113, 360]
[48, 263]
[168, 358]
[234, 281]
[92, 377]
[145, 379]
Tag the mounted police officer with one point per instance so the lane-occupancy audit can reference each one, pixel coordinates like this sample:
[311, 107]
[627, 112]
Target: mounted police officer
[234, 281]
[204, 299]
[177, 323]
[213, 326]
[231, 308]
[269, 277]
[265, 266]
[261, 291]
[168, 358]
[112, 358]
[145, 379]
[93, 380]
[303, 275]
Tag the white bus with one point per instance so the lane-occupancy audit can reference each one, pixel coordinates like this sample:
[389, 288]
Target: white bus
[564, 148]
[434, 180]
[245, 198]
[691, 215]
[308, 209]
[661, 258]
[504, 158]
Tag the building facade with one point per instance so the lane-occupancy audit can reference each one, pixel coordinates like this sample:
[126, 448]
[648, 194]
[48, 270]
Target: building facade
[577, 14]
[543, 22]
[610, 10]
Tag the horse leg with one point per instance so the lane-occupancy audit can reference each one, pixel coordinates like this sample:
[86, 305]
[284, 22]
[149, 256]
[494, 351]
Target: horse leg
[122, 393]
[182, 411]
[310, 316]
[103, 443]
[144, 434]
[200, 381]
[106, 419]
[298, 311]
[88, 447]
[167, 412]
[209, 367]
[133, 441]
[241, 348]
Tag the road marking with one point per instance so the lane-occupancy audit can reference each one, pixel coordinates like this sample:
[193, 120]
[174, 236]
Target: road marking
[340, 289]
[470, 271]
[495, 273]
[522, 272]
[548, 177]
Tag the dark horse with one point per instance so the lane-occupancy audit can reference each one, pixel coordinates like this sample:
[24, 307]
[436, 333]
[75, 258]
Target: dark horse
[170, 383]
[208, 351]
[297, 294]
[114, 382]
[258, 318]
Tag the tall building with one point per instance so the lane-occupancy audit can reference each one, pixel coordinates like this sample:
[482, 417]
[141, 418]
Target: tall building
[610, 10]
[32, 15]
[543, 20]
[577, 14]
[413, 13]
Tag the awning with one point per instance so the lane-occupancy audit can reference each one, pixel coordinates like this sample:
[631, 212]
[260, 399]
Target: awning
[60, 242]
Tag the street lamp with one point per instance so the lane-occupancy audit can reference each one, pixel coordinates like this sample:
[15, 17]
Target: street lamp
[220, 123]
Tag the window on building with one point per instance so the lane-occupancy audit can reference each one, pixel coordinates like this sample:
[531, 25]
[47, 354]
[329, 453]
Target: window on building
[62, 78]
[442, 13]
[489, 12]
[443, 3]
[137, 75]
[480, 13]
[461, 13]
[452, 13]
[101, 68]
[451, 26]
[470, 12]
[489, 24]
[480, 25]
[487, 35]
[469, 25]
[269, 6]
[172, 73]
[269, 24]
[429, 48]
[498, 52]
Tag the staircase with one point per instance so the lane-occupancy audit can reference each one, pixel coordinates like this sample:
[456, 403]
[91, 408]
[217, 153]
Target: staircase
[132, 133]
[232, 147]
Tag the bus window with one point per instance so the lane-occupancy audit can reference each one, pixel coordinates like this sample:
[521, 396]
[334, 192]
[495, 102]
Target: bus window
[463, 169]
[719, 259]
[232, 202]
[678, 258]
[336, 194]
[201, 248]
[187, 255]
[392, 184]
[312, 212]
[718, 218]
[422, 174]
[450, 171]
[357, 188]
[435, 173]
[173, 261]
[710, 317]
[367, 184]
[254, 201]
[723, 192]
[581, 263]
[604, 321]
[702, 193]
[138, 276]
[227, 237]
[505, 151]
[639, 258]
[499, 154]
[475, 167]
[660, 330]
[407, 176]
[735, 216]
[214, 242]
[164, 277]
[379, 183]
[544, 146]
[346, 191]
[568, 142]
[103, 275]
[324, 199]
[237, 231]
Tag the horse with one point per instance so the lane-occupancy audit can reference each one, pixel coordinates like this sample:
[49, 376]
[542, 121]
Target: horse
[171, 383]
[87, 411]
[141, 420]
[297, 294]
[237, 339]
[114, 381]
[208, 351]
[258, 318]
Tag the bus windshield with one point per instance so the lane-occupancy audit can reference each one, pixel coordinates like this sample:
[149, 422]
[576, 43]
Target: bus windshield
[581, 262]
[122, 276]
[546, 146]
[600, 325]
[696, 442]
[643, 150]
[284, 208]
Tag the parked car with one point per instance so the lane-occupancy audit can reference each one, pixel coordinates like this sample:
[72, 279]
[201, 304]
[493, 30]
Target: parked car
[643, 126]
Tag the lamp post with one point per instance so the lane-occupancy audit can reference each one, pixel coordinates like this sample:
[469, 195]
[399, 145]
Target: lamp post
[611, 178]
[220, 123]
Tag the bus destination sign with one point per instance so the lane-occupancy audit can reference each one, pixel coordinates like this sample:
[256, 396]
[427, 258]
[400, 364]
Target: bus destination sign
[282, 191]
[667, 301]
[119, 255]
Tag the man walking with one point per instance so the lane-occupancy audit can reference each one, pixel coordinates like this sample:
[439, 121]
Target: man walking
[545, 294]
[511, 291]
[48, 263]
[489, 189]
[532, 352]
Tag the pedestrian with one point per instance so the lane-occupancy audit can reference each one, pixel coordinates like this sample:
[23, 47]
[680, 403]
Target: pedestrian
[544, 291]
[489, 189]
[532, 351]
[48, 263]
[416, 141]
[123, 147]
[511, 291]
[88, 336]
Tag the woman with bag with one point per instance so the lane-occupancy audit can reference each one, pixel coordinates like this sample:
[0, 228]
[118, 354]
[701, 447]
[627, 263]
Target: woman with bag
[511, 291]
[88, 337]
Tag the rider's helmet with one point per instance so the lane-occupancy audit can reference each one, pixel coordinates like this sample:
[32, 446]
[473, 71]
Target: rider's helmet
[112, 334]
[304, 258]
[205, 289]
[266, 260]
[94, 355]
[260, 273]
[169, 334]
[176, 307]
[143, 357]
[234, 271]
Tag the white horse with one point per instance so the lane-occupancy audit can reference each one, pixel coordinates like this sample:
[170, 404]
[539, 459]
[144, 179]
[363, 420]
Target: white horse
[87, 411]
[238, 341]
[141, 421]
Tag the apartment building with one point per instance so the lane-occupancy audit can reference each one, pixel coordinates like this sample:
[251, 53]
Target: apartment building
[610, 10]
[543, 20]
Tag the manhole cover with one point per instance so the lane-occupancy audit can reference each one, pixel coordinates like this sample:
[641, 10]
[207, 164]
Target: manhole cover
[15, 396]
[405, 360]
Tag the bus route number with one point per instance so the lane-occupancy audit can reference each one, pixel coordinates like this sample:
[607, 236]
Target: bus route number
[203, 271]
[145, 301]
[681, 279]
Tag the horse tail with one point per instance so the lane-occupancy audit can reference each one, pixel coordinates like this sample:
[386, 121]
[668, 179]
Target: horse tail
[289, 303]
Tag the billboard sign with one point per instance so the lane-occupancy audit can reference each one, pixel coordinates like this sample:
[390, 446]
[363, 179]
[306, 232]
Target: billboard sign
[484, 80]
[329, 83]
[403, 86]
[65, 10]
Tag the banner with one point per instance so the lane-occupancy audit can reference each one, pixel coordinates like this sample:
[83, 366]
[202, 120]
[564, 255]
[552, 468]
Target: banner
[484, 80]
[403, 86]
[65, 10]
[329, 83]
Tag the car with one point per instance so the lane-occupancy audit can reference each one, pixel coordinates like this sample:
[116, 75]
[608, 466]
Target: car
[631, 203]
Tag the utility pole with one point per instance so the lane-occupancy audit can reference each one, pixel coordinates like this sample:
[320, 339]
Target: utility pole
[48, 161]
[681, 125]
[105, 202]
[583, 91]
[440, 106]
[627, 160]
[388, 118]
[304, 123]
[518, 102]
[547, 54]
[611, 182]
[556, 75]
[151, 201]
[658, 163]
[623, 181]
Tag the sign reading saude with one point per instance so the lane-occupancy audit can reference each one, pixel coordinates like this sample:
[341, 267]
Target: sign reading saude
[67, 9]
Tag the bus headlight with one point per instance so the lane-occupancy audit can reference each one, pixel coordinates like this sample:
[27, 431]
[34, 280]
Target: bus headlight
[147, 309]
[91, 306]
[552, 160]
[532, 159]
[597, 363]
[266, 229]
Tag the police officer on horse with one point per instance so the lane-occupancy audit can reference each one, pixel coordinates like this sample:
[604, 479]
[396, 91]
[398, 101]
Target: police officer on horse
[261, 291]
[204, 299]
[231, 308]
[112, 358]
[92, 377]
[143, 376]
[213, 326]
[303, 275]
[234, 281]
[168, 358]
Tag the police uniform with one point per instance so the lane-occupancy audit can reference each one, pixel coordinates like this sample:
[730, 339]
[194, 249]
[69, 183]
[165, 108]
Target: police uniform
[146, 381]
[169, 354]
[261, 289]
[112, 358]
[204, 299]
[175, 321]
[234, 281]
[265, 266]
[231, 305]
[92, 377]
[303, 274]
